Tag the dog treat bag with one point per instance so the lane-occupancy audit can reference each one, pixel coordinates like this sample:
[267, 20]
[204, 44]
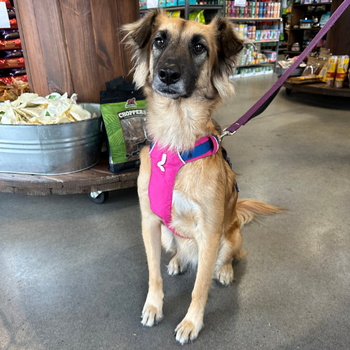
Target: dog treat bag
[123, 111]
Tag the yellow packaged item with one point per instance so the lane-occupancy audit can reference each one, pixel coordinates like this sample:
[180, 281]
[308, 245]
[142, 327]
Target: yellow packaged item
[174, 14]
[331, 71]
[342, 69]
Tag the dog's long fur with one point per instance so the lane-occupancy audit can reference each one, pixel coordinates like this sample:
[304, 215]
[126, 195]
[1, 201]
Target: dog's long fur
[205, 207]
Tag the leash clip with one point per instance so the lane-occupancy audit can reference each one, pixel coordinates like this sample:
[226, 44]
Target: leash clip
[226, 133]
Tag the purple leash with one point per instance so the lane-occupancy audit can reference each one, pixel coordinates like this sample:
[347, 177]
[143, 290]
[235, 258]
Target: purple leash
[259, 106]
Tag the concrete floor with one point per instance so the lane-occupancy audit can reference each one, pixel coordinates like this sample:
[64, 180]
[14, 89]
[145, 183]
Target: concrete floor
[73, 274]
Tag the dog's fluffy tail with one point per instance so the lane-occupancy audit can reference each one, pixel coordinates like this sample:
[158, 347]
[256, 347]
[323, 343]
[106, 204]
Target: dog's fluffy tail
[247, 209]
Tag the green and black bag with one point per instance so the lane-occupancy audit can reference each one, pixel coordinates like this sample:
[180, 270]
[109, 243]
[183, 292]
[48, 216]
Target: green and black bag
[123, 111]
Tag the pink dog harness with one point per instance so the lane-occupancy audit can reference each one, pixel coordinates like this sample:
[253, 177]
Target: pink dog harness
[165, 166]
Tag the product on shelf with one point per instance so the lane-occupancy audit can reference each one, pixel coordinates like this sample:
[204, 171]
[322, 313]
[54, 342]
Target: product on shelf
[13, 23]
[12, 63]
[8, 3]
[11, 53]
[342, 70]
[9, 34]
[10, 44]
[331, 70]
[254, 9]
[258, 32]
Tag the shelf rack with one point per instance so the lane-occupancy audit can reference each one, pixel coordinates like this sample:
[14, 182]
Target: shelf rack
[299, 12]
[254, 19]
[187, 7]
[259, 19]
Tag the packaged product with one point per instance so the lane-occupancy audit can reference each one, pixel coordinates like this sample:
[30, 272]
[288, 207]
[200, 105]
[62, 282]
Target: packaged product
[174, 14]
[197, 15]
[10, 44]
[8, 3]
[324, 56]
[311, 78]
[313, 66]
[342, 69]
[123, 109]
[12, 63]
[9, 34]
[11, 13]
[13, 23]
[331, 70]
[11, 53]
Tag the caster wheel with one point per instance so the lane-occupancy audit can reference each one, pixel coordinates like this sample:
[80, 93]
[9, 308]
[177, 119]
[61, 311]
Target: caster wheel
[288, 92]
[97, 197]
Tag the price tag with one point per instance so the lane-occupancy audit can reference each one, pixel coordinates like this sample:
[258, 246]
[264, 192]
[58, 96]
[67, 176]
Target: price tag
[4, 17]
[240, 3]
[152, 4]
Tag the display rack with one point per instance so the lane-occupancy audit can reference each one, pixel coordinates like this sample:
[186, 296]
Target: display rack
[96, 179]
[317, 88]
[274, 42]
[187, 8]
[295, 32]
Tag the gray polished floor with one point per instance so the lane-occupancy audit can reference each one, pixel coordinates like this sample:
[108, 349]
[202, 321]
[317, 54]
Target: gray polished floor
[73, 274]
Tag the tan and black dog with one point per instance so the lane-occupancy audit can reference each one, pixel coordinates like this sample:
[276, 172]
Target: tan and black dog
[183, 67]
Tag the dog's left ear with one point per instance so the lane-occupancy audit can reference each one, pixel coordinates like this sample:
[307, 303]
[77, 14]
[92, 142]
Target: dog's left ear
[229, 45]
[137, 38]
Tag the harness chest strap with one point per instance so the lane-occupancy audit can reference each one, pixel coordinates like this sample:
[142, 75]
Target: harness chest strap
[165, 165]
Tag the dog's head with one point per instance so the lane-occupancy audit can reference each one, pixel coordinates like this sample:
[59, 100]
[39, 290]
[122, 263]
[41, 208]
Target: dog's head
[179, 58]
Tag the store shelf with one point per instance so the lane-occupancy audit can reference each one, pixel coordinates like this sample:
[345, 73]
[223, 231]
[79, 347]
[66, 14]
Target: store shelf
[97, 178]
[261, 19]
[317, 88]
[265, 41]
[313, 29]
[191, 7]
[293, 52]
[256, 65]
[318, 4]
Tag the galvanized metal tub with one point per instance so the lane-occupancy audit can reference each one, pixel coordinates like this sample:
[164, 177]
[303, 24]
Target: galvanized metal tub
[51, 149]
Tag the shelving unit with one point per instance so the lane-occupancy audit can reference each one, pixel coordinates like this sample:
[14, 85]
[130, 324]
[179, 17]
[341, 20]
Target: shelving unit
[187, 8]
[276, 42]
[254, 19]
[299, 11]
[256, 65]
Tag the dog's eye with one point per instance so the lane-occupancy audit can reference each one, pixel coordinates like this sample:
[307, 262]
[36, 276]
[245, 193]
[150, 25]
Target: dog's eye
[159, 42]
[198, 49]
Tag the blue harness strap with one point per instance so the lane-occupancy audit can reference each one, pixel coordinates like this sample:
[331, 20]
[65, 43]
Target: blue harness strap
[198, 150]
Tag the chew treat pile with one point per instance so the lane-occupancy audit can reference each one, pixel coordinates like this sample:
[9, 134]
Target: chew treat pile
[11, 88]
[53, 109]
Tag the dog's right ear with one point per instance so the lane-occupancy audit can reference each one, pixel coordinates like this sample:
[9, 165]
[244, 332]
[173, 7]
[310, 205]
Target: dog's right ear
[137, 38]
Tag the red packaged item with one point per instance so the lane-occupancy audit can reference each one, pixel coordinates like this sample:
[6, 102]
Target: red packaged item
[10, 44]
[13, 23]
[12, 63]
[8, 3]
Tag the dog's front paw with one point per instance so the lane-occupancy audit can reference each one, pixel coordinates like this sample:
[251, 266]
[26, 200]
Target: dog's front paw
[151, 315]
[224, 274]
[187, 331]
[176, 266]
[153, 309]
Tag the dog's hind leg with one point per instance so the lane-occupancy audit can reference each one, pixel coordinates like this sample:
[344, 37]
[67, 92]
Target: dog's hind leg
[230, 248]
[176, 265]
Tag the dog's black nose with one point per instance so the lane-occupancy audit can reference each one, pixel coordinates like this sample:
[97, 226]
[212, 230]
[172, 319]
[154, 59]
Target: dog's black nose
[169, 76]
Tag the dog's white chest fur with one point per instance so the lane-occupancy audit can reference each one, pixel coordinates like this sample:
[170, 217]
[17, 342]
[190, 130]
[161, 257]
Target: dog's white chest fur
[183, 205]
